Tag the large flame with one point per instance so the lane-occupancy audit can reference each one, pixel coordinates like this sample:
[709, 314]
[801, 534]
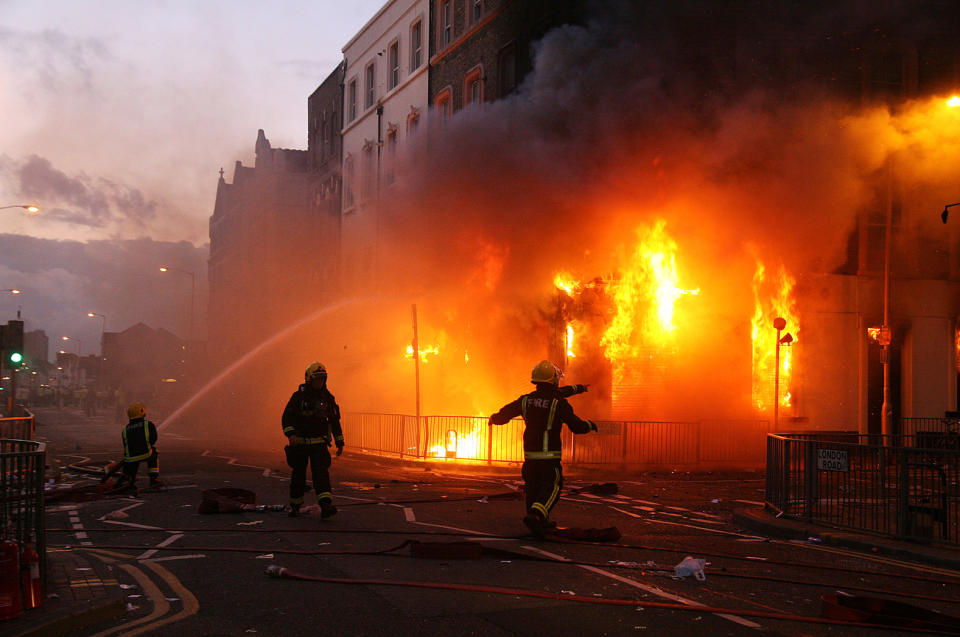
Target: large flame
[773, 298]
[644, 297]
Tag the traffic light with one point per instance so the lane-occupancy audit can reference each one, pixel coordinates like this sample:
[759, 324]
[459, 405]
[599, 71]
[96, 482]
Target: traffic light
[13, 343]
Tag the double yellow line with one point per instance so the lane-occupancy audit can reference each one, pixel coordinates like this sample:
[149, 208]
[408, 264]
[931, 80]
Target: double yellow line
[161, 606]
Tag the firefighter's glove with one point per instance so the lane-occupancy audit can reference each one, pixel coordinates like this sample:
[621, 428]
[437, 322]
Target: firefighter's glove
[580, 389]
[339, 449]
[593, 425]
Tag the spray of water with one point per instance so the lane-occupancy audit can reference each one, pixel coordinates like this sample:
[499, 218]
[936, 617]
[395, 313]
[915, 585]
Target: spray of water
[251, 355]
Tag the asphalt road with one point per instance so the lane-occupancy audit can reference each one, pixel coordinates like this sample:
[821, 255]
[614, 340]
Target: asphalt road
[193, 574]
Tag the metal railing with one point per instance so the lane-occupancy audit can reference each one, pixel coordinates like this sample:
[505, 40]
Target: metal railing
[22, 464]
[18, 428]
[866, 482]
[648, 443]
[937, 433]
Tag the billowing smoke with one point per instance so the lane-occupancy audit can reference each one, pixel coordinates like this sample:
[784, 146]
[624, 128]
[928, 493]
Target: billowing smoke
[725, 125]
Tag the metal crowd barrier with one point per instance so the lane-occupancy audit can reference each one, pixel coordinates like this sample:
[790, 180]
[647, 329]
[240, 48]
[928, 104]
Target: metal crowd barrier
[17, 428]
[867, 483]
[22, 464]
[634, 443]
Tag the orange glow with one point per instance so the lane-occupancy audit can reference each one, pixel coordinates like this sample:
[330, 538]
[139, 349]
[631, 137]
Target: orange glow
[569, 343]
[954, 101]
[772, 298]
[644, 297]
[463, 446]
[424, 352]
[565, 281]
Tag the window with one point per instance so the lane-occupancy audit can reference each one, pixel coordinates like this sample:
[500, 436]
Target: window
[446, 22]
[443, 105]
[349, 172]
[352, 100]
[413, 121]
[476, 10]
[370, 87]
[392, 131]
[393, 57]
[473, 87]
[507, 69]
[416, 45]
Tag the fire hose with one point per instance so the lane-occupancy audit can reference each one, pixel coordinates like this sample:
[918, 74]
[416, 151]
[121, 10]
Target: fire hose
[739, 558]
[285, 573]
[644, 569]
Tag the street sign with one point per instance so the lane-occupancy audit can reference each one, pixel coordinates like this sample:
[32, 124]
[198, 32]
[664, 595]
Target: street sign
[832, 460]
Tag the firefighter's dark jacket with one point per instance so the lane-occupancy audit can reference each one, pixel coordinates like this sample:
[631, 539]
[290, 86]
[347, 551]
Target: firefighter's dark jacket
[544, 411]
[139, 437]
[313, 415]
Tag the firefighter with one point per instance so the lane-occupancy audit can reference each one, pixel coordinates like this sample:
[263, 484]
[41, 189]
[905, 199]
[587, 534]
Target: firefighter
[544, 411]
[139, 444]
[311, 422]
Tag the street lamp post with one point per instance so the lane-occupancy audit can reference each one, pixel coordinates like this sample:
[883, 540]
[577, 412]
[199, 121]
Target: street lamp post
[79, 354]
[193, 285]
[32, 209]
[103, 327]
[778, 324]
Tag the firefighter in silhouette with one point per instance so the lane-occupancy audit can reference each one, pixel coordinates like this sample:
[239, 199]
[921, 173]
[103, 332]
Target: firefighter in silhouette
[139, 444]
[311, 422]
[544, 411]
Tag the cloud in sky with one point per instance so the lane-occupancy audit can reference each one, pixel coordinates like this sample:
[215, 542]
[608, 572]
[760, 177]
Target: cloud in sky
[142, 103]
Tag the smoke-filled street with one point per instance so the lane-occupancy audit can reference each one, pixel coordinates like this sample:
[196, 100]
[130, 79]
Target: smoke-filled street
[476, 571]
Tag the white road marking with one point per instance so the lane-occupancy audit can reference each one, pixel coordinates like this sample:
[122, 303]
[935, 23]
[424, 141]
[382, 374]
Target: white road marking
[753, 502]
[192, 556]
[75, 522]
[267, 473]
[690, 526]
[650, 589]
[167, 542]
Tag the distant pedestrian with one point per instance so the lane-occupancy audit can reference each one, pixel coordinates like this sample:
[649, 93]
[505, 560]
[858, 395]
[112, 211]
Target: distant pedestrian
[311, 422]
[544, 411]
[139, 445]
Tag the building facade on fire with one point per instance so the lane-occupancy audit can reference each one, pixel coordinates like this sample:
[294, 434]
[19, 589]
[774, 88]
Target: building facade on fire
[310, 218]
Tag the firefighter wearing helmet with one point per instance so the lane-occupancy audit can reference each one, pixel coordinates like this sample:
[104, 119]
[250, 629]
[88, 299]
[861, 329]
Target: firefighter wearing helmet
[139, 444]
[544, 412]
[311, 423]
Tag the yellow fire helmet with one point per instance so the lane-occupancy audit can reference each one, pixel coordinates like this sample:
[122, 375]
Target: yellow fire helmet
[315, 369]
[546, 372]
[136, 410]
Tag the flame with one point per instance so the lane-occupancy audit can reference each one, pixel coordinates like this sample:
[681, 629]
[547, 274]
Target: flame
[874, 334]
[570, 352]
[433, 350]
[464, 446]
[565, 281]
[767, 306]
[644, 297]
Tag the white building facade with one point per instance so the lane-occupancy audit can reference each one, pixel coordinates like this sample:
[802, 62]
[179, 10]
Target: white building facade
[385, 100]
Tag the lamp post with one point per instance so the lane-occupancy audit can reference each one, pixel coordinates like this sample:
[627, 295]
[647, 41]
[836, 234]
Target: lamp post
[779, 324]
[32, 209]
[76, 375]
[103, 327]
[193, 285]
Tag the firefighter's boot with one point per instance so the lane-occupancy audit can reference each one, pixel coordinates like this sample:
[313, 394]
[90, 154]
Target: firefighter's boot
[294, 511]
[327, 509]
[535, 523]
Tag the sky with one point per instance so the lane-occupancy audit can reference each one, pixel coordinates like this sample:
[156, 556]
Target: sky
[115, 118]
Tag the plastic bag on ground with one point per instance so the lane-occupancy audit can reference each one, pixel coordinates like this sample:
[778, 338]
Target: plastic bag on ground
[691, 566]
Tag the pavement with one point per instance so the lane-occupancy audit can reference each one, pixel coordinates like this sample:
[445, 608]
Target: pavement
[83, 591]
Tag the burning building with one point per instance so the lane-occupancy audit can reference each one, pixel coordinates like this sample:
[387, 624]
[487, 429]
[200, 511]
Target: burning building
[666, 182]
